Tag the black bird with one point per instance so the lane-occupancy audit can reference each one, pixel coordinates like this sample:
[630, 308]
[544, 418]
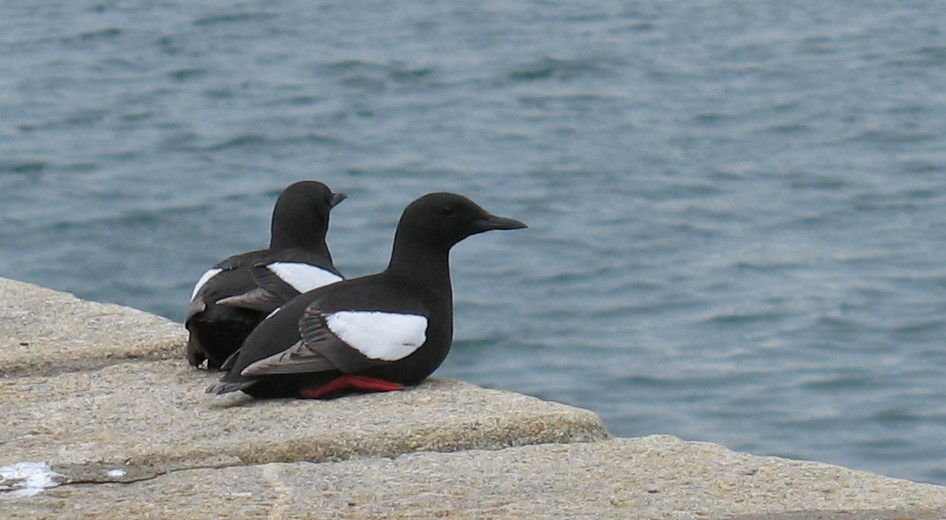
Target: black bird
[228, 303]
[375, 333]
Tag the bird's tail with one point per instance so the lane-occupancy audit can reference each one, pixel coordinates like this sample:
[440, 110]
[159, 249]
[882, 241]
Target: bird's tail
[225, 387]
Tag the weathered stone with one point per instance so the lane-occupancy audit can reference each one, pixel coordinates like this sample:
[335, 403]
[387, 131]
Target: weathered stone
[96, 425]
[650, 477]
[47, 332]
[148, 418]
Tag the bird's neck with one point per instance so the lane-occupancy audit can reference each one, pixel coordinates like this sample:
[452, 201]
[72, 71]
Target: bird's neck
[421, 262]
[300, 235]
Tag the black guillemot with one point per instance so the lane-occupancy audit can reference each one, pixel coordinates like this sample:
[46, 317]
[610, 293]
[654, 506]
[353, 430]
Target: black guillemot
[375, 333]
[228, 302]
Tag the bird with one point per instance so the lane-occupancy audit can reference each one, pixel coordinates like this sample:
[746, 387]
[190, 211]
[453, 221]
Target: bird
[227, 302]
[375, 333]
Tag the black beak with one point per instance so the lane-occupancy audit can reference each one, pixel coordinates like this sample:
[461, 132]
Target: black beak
[492, 222]
[336, 198]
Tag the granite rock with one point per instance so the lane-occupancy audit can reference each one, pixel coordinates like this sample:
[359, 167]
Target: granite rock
[657, 477]
[149, 418]
[43, 331]
[100, 423]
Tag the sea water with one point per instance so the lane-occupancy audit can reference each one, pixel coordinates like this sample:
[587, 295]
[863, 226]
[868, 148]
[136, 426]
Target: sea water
[737, 209]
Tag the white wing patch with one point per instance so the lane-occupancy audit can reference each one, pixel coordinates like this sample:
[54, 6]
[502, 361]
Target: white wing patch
[302, 277]
[379, 335]
[204, 279]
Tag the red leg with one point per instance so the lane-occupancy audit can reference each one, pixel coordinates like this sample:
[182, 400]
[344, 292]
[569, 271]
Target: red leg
[352, 382]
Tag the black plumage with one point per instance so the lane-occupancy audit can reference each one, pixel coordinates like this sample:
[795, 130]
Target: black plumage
[228, 302]
[377, 332]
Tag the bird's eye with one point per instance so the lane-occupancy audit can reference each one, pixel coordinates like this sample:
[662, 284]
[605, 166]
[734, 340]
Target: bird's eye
[447, 211]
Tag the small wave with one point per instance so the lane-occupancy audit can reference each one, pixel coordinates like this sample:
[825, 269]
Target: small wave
[930, 55]
[919, 328]
[90, 36]
[558, 68]
[888, 444]
[709, 118]
[309, 138]
[838, 325]
[27, 167]
[804, 181]
[349, 65]
[237, 142]
[922, 166]
[168, 46]
[246, 16]
[689, 381]
[693, 230]
[410, 75]
[865, 259]
[186, 73]
[256, 140]
[377, 77]
[640, 26]
[136, 116]
[646, 381]
[744, 317]
[838, 382]
[85, 117]
[129, 218]
[890, 416]
[766, 265]
[888, 137]
[789, 128]
[814, 420]
[32, 168]
[296, 100]
[872, 204]
[478, 343]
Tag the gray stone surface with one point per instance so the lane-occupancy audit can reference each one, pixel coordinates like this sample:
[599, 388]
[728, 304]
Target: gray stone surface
[46, 332]
[652, 477]
[98, 423]
[153, 417]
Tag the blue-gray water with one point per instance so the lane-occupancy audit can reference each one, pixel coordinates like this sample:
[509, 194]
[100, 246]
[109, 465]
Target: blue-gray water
[737, 208]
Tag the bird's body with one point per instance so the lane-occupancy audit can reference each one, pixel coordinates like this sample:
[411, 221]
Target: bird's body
[228, 301]
[378, 332]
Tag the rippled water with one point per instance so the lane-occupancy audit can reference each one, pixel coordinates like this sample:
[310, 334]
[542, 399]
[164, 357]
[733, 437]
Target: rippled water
[737, 209]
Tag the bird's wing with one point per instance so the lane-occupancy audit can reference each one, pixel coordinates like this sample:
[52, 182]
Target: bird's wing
[348, 341]
[300, 277]
[258, 299]
[196, 307]
[202, 281]
[279, 282]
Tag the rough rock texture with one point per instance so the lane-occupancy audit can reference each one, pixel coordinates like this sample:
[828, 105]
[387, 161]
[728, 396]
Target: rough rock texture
[650, 477]
[152, 417]
[46, 332]
[97, 424]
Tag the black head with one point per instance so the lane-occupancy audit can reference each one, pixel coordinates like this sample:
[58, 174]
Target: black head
[301, 215]
[443, 219]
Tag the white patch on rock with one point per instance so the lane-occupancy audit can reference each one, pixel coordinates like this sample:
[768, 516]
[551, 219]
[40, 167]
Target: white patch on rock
[115, 473]
[25, 479]
[302, 277]
[379, 335]
[204, 279]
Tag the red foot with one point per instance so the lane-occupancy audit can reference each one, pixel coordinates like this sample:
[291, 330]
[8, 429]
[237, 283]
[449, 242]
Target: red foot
[350, 382]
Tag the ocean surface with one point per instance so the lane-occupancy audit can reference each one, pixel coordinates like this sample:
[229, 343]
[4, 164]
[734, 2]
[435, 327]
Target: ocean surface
[737, 209]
